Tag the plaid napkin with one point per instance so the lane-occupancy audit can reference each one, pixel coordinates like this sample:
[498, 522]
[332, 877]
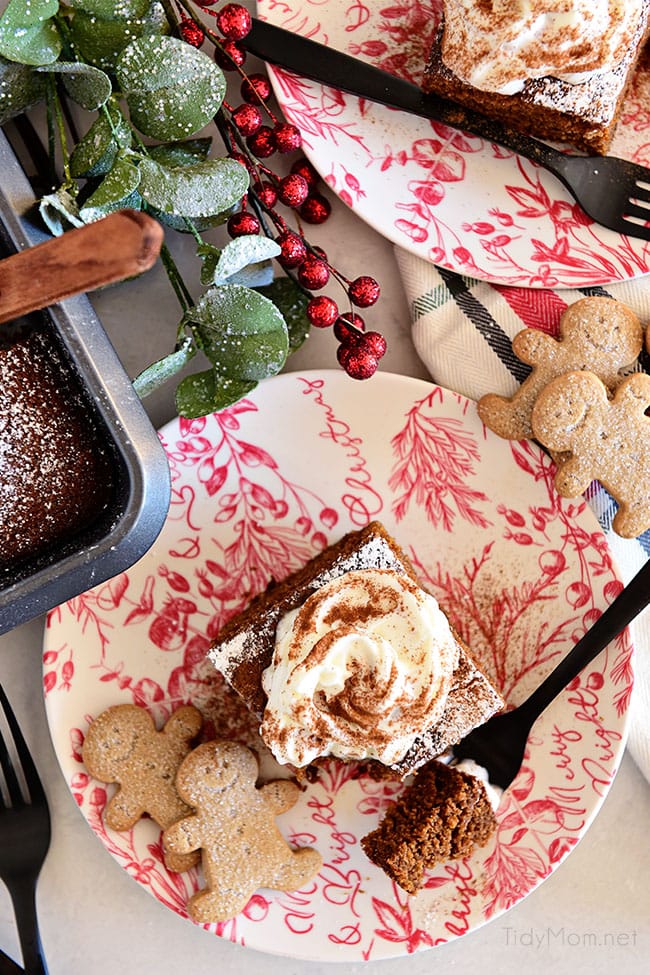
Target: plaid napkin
[462, 330]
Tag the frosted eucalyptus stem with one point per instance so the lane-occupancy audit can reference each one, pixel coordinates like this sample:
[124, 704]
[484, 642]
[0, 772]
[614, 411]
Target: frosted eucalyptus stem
[175, 279]
[51, 132]
[63, 139]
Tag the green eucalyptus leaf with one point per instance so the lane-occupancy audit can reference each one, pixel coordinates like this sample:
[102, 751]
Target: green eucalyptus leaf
[35, 45]
[59, 212]
[292, 302]
[201, 190]
[87, 86]
[28, 13]
[152, 64]
[255, 275]
[20, 88]
[27, 32]
[236, 255]
[101, 42]
[159, 372]
[173, 113]
[177, 154]
[181, 153]
[112, 10]
[116, 190]
[206, 392]
[171, 88]
[97, 150]
[209, 255]
[186, 225]
[242, 333]
[251, 275]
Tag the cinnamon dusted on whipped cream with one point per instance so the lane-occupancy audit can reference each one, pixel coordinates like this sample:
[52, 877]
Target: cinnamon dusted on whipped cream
[499, 45]
[361, 669]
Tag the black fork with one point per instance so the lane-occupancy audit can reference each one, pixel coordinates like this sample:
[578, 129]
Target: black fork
[499, 744]
[613, 192]
[24, 837]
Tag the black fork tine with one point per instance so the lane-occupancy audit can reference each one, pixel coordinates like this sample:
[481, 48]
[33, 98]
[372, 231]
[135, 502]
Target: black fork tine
[636, 229]
[14, 791]
[640, 192]
[24, 837]
[32, 779]
[632, 210]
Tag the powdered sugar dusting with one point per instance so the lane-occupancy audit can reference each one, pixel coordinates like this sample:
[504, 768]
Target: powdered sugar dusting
[54, 476]
[228, 656]
[498, 47]
[242, 656]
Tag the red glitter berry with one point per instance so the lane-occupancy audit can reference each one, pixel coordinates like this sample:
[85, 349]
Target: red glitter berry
[229, 56]
[313, 273]
[292, 250]
[256, 88]
[292, 190]
[348, 328]
[316, 209]
[322, 311]
[373, 342]
[243, 224]
[305, 169]
[190, 32]
[266, 193]
[234, 21]
[287, 137]
[364, 291]
[247, 118]
[206, 3]
[358, 363]
[262, 142]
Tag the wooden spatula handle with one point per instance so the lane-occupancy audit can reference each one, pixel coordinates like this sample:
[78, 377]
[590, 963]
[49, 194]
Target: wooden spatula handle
[119, 246]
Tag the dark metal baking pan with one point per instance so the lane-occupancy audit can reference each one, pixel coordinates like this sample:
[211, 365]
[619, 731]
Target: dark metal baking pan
[137, 503]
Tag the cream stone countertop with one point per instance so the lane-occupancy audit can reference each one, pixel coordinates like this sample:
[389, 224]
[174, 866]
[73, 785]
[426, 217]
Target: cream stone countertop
[591, 916]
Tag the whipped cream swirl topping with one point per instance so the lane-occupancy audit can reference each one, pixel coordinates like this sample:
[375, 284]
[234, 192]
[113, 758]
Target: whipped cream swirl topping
[498, 45]
[359, 670]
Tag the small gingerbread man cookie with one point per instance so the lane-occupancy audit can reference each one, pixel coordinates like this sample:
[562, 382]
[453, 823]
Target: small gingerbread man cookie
[234, 826]
[609, 441]
[601, 335]
[122, 745]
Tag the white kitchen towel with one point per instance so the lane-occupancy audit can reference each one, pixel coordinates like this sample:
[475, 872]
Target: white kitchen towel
[462, 329]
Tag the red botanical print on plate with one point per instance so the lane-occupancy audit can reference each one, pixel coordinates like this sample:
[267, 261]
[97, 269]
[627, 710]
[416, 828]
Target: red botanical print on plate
[446, 196]
[520, 572]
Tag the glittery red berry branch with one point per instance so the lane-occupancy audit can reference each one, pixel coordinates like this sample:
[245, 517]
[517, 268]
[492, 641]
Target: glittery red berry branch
[253, 134]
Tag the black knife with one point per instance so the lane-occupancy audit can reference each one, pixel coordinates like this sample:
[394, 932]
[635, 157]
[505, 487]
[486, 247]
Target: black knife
[9, 967]
[607, 188]
[330, 67]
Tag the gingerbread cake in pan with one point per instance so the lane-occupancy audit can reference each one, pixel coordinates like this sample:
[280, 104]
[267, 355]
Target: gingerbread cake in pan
[56, 472]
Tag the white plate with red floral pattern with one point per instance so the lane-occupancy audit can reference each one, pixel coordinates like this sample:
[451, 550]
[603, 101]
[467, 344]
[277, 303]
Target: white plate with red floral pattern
[453, 199]
[257, 490]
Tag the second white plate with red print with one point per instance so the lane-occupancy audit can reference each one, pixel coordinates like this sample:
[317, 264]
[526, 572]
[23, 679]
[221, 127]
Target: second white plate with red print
[256, 491]
[451, 198]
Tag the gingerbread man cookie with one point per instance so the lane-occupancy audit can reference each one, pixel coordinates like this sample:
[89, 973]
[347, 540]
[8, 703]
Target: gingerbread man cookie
[234, 826]
[609, 441]
[122, 745]
[596, 334]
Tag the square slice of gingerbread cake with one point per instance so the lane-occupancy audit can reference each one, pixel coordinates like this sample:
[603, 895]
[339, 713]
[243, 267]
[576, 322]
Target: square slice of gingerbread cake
[349, 657]
[556, 71]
